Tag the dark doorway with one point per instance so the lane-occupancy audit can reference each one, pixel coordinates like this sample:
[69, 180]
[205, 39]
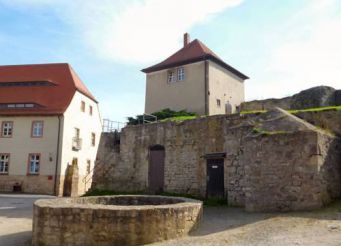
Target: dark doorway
[156, 168]
[215, 178]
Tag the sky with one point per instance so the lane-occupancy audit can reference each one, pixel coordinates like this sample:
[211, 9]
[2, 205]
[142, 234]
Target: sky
[283, 46]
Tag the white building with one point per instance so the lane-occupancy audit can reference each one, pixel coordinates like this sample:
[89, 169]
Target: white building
[50, 129]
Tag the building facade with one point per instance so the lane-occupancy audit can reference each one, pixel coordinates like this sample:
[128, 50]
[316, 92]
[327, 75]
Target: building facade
[50, 129]
[194, 79]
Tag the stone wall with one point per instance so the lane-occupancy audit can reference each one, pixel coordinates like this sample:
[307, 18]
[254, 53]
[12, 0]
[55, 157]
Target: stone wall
[338, 97]
[113, 220]
[319, 96]
[329, 120]
[286, 175]
[36, 184]
[272, 155]
[267, 104]
[185, 146]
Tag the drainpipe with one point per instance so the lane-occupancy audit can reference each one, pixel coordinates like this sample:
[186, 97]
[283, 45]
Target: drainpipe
[57, 158]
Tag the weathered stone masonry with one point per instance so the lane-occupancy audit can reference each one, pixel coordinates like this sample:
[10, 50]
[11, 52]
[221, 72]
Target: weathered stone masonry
[273, 162]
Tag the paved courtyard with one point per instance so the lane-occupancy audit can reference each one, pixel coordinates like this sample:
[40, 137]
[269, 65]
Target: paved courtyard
[220, 226]
[16, 218]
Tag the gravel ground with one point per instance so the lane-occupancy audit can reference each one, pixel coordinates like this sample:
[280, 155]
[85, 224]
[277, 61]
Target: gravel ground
[220, 226]
[233, 226]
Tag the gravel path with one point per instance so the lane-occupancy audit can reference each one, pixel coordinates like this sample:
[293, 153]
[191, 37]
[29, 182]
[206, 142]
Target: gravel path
[233, 226]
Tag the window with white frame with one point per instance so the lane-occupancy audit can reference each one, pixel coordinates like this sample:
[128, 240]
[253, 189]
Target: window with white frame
[4, 163]
[218, 102]
[171, 77]
[37, 129]
[34, 163]
[181, 74]
[7, 129]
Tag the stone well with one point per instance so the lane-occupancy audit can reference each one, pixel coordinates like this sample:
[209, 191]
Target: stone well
[113, 220]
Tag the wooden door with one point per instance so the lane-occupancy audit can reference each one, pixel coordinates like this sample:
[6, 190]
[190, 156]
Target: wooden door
[156, 168]
[215, 178]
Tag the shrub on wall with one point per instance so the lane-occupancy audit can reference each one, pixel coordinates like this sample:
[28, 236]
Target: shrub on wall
[161, 115]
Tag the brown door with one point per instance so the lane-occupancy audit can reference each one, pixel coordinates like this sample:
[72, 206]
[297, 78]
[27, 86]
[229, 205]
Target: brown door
[215, 178]
[156, 168]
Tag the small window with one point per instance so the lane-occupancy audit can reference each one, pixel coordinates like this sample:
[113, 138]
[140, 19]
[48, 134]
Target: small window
[181, 74]
[90, 110]
[171, 77]
[4, 163]
[83, 106]
[77, 133]
[88, 166]
[93, 139]
[34, 163]
[37, 129]
[7, 129]
[218, 102]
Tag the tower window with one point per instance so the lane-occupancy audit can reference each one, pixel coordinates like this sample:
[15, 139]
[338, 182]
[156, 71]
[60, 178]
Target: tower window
[181, 74]
[171, 77]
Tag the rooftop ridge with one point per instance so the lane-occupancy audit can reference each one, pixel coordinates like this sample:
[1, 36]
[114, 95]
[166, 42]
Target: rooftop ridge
[35, 64]
[194, 51]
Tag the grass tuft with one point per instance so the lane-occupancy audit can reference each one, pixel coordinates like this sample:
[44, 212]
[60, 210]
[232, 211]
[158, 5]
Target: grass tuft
[253, 112]
[330, 108]
[179, 118]
[295, 111]
[262, 132]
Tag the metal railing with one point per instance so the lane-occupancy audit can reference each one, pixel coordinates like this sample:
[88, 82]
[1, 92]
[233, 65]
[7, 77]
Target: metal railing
[149, 118]
[112, 126]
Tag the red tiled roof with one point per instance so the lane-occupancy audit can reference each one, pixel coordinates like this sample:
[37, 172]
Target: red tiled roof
[193, 52]
[53, 98]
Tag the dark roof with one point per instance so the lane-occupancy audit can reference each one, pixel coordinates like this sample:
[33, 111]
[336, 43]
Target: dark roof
[50, 87]
[193, 52]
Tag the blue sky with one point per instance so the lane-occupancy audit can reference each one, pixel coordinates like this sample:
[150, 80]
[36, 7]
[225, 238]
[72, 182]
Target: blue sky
[283, 46]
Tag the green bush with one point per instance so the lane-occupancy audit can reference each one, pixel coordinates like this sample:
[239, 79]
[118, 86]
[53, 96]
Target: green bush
[161, 116]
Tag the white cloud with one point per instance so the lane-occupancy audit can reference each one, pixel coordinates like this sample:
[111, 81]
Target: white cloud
[308, 56]
[137, 31]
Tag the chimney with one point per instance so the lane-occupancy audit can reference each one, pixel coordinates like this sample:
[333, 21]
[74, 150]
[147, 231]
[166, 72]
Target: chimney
[186, 39]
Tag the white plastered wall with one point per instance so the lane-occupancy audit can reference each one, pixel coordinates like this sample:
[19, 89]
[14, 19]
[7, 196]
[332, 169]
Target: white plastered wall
[226, 87]
[87, 124]
[188, 94]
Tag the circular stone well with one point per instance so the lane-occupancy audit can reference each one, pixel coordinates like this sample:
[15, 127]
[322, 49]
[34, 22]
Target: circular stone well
[113, 220]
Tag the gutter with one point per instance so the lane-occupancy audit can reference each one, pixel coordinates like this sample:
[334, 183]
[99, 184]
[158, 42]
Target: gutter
[57, 158]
